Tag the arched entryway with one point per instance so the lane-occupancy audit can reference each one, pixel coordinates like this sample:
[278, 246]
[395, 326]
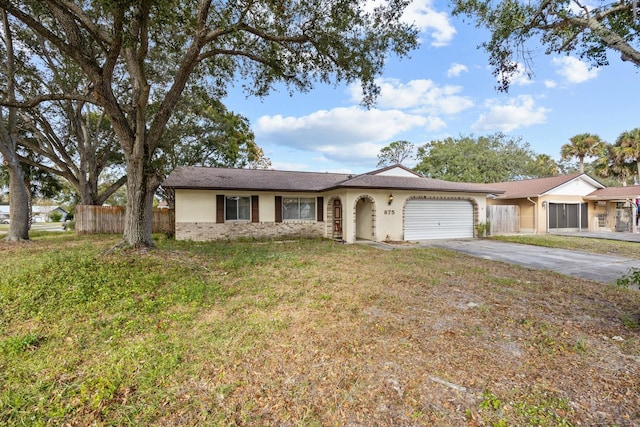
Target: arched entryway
[365, 217]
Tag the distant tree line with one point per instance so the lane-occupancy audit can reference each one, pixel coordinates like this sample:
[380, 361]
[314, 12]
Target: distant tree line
[499, 158]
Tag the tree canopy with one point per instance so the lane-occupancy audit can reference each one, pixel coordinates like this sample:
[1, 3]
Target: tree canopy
[395, 153]
[139, 56]
[589, 30]
[627, 150]
[485, 159]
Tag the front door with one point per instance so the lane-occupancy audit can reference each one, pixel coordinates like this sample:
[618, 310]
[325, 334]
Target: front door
[337, 219]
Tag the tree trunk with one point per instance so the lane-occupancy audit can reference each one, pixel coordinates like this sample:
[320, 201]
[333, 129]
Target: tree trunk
[142, 184]
[138, 216]
[19, 204]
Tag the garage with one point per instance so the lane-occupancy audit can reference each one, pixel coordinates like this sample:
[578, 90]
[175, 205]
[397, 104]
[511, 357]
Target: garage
[568, 217]
[438, 219]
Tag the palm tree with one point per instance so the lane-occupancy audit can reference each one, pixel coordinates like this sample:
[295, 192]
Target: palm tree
[581, 146]
[611, 165]
[628, 148]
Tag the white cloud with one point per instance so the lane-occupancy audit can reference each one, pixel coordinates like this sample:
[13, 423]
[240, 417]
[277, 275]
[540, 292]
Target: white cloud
[519, 77]
[550, 84]
[456, 69]
[437, 24]
[516, 113]
[435, 123]
[363, 152]
[574, 70]
[422, 96]
[289, 166]
[338, 134]
[422, 14]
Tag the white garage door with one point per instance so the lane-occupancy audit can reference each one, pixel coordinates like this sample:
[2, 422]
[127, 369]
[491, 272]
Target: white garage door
[438, 219]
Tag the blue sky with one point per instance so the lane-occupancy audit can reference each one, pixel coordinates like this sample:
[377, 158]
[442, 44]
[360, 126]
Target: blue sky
[444, 89]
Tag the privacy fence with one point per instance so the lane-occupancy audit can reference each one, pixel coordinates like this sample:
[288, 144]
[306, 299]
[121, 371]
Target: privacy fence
[110, 219]
[504, 219]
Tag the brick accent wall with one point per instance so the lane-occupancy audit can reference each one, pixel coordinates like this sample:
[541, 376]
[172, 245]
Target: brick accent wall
[205, 231]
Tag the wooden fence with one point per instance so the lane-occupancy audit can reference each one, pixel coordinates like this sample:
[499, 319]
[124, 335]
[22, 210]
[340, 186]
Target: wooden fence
[110, 219]
[504, 219]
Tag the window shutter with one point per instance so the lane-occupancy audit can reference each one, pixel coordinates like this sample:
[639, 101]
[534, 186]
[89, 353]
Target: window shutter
[255, 209]
[220, 208]
[320, 209]
[278, 208]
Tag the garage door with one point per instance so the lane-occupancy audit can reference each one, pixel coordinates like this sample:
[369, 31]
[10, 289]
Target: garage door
[438, 219]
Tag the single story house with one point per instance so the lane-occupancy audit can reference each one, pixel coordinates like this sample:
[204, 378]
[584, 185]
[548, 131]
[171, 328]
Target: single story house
[574, 202]
[388, 204]
[38, 213]
[43, 213]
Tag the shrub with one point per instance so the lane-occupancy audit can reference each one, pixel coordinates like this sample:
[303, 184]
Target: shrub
[55, 216]
[632, 278]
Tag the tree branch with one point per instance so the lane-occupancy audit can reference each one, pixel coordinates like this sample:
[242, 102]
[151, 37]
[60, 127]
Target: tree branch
[36, 100]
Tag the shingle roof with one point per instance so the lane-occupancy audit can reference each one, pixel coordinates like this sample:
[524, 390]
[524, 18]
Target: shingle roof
[533, 187]
[250, 179]
[630, 192]
[191, 177]
[412, 183]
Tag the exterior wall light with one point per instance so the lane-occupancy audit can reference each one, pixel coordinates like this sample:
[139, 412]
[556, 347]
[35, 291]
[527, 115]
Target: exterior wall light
[390, 199]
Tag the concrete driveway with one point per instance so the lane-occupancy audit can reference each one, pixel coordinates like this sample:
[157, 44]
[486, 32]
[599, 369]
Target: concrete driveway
[599, 268]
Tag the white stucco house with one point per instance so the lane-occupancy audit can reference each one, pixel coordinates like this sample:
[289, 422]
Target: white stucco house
[389, 204]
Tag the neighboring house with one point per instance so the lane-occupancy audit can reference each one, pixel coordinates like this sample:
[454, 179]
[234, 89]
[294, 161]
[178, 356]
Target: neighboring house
[4, 212]
[389, 204]
[39, 213]
[615, 208]
[43, 213]
[574, 202]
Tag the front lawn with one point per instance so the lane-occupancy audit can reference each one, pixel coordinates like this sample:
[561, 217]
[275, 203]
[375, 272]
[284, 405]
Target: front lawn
[306, 333]
[598, 246]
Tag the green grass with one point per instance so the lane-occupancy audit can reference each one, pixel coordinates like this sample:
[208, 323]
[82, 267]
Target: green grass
[601, 246]
[306, 333]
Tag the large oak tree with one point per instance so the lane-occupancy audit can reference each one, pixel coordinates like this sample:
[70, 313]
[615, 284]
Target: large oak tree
[590, 30]
[9, 135]
[154, 49]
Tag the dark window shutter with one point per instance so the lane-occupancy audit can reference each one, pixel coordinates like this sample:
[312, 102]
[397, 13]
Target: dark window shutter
[320, 209]
[278, 208]
[255, 209]
[219, 208]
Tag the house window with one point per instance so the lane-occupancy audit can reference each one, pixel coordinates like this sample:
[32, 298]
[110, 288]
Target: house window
[237, 208]
[303, 208]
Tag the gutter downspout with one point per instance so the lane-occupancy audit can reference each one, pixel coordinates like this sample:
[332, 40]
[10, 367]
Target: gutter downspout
[535, 215]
